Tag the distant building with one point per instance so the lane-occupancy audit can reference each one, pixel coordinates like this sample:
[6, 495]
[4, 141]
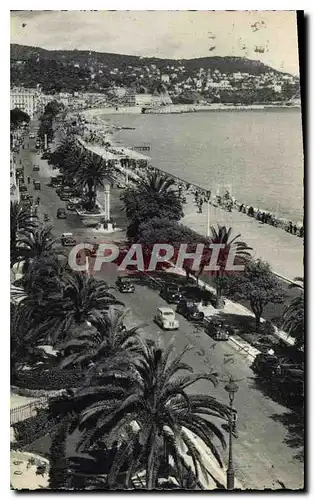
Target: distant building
[133, 99]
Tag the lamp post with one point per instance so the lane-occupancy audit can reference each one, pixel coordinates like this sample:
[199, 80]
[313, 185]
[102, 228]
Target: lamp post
[231, 388]
[208, 194]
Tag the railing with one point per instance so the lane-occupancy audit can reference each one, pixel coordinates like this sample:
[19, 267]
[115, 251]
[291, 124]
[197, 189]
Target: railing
[28, 410]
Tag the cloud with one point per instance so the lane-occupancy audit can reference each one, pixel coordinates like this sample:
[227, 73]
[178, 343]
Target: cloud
[167, 34]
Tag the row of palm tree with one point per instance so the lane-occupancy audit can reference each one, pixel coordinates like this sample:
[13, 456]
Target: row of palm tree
[133, 400]
[83, 169]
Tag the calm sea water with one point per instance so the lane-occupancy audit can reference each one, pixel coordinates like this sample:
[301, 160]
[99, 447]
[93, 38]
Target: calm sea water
[256, 154]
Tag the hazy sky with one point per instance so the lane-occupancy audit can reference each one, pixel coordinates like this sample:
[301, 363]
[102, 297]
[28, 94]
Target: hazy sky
[269, 36]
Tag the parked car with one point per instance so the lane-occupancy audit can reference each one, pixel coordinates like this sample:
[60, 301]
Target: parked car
[61, 213]
[171, 293]
[267, 365]
[32, 136]
[216, 329]
[188, 309]
[70, 206]
[67, 240]
[36, 168]
[37, 185]
[125, 285]
[23, 188]
[45, 156]
[165, 317]
[64, 196]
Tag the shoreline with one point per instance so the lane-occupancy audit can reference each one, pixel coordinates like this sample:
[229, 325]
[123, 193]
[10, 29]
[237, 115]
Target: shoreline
[184, 108]
[108, 130]
[107, 133]
[282, 250]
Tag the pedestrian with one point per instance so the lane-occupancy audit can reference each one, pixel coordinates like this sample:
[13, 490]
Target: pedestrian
[200, 206]
[295, 229]
[28, 180]
[290, 227]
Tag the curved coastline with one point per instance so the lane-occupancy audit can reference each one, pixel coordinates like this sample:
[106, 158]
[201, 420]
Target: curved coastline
[106, 133]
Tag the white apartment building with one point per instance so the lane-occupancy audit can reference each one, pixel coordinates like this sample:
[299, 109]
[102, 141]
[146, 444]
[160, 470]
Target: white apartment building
[165, 78]
[27, 100]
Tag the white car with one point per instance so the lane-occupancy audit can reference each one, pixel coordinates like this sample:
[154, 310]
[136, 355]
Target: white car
[165, 317]
[32, 136]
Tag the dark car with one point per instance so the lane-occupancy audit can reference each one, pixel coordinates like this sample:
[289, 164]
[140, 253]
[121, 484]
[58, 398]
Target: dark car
[46, 156]
[71, 206]
[36, 168]
[189, 310]
[124, 285]
[23, 188]
[37, 186]
[61, 213]
[65, 196]
[171, 293]
[267, 365]
[217, 329]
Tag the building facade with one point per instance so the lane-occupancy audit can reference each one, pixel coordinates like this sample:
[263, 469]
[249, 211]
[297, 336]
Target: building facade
[28, 100]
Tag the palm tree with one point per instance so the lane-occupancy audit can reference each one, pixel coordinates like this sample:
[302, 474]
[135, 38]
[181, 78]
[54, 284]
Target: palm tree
[155, 183]
[149, 423]
[70, 305]
[153, 196]
[20, 220]
[92, 176]
[36, 243]
[222, 236]
[293, 319]
[74, 161]
[44, 276]
[108, 339]
[24, 338]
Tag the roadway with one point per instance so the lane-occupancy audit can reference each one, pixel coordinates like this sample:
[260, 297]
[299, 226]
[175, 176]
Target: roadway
[262, 454]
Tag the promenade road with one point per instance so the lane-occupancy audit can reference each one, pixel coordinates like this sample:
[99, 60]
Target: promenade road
[283, 251]
[270, 437]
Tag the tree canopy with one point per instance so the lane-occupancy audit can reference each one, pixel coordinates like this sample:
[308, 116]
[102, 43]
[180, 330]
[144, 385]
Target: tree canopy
[258, 285]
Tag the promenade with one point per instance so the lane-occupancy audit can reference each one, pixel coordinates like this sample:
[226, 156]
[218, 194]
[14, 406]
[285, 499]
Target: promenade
[282, 250]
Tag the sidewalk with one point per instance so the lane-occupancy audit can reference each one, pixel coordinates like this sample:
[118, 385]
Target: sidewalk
[283, 251]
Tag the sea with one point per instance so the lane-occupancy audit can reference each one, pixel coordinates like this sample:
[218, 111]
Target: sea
[257, 155]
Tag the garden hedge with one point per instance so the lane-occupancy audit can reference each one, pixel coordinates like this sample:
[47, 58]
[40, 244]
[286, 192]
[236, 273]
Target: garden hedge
[52, 379]
[33, 428]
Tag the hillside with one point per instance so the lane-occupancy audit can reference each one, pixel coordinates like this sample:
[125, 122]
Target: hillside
[83, 70]
[226, 64]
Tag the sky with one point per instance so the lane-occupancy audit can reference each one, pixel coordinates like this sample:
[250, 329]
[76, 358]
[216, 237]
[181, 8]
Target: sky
[268, 36]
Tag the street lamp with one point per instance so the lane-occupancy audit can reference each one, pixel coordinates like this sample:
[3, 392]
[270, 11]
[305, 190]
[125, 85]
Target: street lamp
[208, 195]
[231, 388]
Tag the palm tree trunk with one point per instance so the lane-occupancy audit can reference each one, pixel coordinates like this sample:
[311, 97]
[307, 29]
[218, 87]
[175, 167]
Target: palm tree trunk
[219, 299]
[150, 464]
[58, 476]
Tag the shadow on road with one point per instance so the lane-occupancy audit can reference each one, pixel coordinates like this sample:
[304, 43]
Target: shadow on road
[294, 422]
